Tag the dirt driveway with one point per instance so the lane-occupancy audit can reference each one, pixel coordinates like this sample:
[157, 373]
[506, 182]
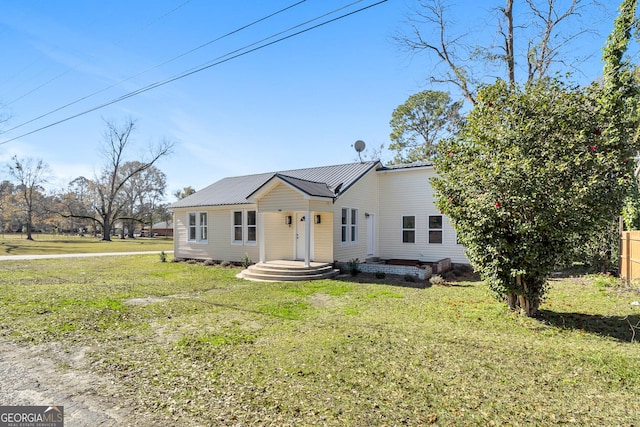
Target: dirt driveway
[48, 375]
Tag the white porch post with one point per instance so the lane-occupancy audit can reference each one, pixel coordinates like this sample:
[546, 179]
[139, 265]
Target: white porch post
[307, 240]
[261, 243]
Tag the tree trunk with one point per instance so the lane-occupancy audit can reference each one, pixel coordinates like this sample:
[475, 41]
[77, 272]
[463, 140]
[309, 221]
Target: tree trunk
[510, 54]
[29, 225]
[512, 301]
[528, 306]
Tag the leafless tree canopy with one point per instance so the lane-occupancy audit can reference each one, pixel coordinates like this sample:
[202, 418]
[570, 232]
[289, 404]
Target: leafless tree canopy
[29, 175]
[545, 31]
[108, 202]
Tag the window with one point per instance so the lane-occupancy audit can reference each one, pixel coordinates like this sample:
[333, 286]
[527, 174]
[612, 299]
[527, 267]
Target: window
[345, 217]
[192, 226]
[237, 226]
[349, 225]
[251, 226]
[435, 228]
[203, 226]
[198, 227]
[244, 227]
[354, 225]
[408, 229]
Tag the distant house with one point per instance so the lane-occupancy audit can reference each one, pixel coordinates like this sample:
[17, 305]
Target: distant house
[322, 214]
[159, 229]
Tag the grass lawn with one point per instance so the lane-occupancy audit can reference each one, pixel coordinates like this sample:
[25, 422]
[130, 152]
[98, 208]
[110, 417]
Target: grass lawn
[193, 345]
[17, 244]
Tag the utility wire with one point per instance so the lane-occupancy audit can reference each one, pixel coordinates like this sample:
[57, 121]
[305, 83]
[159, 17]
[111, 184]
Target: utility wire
[148, 69]
[193, 71]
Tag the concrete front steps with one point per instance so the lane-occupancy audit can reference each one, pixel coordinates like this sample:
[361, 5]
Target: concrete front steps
[288, 271]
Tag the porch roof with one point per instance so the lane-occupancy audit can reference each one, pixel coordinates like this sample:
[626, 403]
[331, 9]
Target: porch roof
[309, 188]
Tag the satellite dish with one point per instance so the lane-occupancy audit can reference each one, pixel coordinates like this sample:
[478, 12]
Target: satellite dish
[359, 145]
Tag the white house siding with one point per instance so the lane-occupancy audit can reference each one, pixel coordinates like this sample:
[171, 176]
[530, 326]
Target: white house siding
[364, 197]
[278, 236]
[323, 238]
[283, 198]
[219, 244]
[408, 192]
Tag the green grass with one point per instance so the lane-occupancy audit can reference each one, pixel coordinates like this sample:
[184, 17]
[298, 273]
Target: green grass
[44, 244]
[209, 349]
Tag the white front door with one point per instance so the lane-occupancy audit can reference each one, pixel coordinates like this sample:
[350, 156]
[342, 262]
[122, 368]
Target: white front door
[300, 235]
[371, 235]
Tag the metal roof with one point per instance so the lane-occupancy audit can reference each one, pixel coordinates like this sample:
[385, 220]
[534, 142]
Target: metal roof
[323, 180]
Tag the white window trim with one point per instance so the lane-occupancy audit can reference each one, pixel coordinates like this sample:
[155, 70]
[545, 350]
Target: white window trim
[198, 227]
[245, 234]
[441, 230]
[234, 226]
[415, 229]
[245, 228]
[349, 226]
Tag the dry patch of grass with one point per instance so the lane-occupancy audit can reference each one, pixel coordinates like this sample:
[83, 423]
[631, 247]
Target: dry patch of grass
[200, 347]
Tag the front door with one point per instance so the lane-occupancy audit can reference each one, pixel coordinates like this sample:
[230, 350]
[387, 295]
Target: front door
[371, 235]
[300, 235]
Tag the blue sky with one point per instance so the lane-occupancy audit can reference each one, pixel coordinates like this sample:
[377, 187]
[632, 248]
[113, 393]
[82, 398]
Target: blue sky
[298, 103]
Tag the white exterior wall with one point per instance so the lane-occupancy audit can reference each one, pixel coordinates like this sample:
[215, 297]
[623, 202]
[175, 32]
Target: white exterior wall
[322, 238]
[409, 192]
[363, 195]
[219, 245]
[278, 236]
[282, 198]
[283, 201]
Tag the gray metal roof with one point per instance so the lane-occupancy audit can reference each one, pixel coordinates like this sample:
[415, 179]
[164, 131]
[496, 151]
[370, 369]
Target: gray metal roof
[408, 165]
[312, 188]
[319, 181]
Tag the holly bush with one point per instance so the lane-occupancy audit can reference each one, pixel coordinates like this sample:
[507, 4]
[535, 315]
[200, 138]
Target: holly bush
[536, 169]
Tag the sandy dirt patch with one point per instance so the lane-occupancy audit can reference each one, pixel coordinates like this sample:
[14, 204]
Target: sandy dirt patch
[50, 375]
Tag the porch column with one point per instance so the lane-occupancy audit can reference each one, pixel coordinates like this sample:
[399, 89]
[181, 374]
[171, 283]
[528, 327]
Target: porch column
[307, 240]
[261, 243]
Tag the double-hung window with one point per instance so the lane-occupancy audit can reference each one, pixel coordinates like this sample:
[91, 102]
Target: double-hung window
[198, 228]
[237, 227]
[349, 225]
[251, 227]
[244, 227]
[435, 228]
[408, 229]
[354, 225]
[203, 226]
[192, 226]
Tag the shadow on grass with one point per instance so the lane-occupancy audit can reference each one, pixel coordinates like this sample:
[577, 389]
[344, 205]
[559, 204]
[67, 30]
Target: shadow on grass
[402, 281]
[625, 329]
[9, 248]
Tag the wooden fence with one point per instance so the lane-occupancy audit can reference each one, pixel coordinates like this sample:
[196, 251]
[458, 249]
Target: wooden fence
[630, 255]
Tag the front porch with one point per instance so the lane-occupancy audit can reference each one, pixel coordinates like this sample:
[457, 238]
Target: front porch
[288, 271]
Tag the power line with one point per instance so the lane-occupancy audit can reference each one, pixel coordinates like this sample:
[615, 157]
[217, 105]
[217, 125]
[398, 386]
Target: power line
[92, 94]
[193, 71]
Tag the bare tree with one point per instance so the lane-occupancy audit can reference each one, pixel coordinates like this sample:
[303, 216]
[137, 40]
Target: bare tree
[108, 201]
[459, 63]
[142, 193]
[76, 199]
[29, 174]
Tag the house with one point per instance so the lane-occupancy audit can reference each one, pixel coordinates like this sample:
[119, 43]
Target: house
[159, 229]
[324, 214]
